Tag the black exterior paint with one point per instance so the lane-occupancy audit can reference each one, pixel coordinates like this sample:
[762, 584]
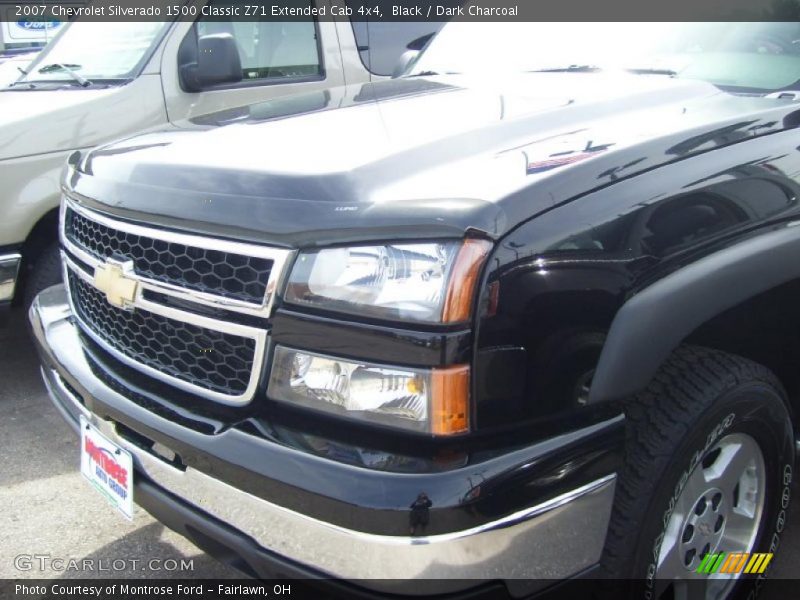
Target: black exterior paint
[684, 301]
[389, 345]
[567, 273]
[259, 180]
[678, 171]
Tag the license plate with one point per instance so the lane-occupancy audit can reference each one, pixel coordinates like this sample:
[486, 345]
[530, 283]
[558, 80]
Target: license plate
[108, 468]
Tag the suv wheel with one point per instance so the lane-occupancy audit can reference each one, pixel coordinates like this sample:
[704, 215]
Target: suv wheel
[708, 468]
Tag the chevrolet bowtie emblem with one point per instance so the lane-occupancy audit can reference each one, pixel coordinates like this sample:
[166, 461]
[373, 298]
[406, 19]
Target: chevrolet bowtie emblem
[113, 280]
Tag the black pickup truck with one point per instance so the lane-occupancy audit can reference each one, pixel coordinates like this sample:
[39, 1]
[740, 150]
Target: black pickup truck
[527, 312]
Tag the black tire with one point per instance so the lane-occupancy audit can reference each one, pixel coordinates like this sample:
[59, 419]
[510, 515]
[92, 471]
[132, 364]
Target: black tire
[45, 272]
[698, 398]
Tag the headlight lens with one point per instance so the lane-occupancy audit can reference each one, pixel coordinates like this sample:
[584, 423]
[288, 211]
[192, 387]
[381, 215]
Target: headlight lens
[431, 401]
[415, 282]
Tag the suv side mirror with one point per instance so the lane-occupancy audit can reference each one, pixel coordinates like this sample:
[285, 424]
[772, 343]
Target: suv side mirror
[406, 58]
[217, 61]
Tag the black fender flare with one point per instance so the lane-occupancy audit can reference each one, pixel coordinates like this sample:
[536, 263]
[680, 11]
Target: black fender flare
[653, 322]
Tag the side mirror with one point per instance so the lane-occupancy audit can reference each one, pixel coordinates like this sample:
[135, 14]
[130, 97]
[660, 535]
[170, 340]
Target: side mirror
[217, 61]
[406, 58]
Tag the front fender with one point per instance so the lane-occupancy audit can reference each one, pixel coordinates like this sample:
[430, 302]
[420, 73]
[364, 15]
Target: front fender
[651, 324]
[31, 189]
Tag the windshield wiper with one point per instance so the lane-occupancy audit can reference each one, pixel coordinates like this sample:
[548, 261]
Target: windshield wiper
[595, 68]
[652, 71]
[431, 74]
[68, 70]
[569, 69]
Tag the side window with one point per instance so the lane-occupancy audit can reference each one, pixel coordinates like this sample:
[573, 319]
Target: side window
[382, 43]
[269, 49]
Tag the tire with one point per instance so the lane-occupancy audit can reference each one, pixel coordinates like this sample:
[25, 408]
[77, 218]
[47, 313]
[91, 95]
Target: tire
[45, 272]
[706, 413]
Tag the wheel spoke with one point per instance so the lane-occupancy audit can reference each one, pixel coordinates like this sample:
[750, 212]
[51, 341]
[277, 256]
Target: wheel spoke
[670, 562]
[728, 468]
[739, 529]
[670, 559]
[694, 488]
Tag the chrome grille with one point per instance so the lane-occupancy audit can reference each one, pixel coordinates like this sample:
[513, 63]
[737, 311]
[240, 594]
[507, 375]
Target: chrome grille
[164, 327]
[209, 359]
[190, 267]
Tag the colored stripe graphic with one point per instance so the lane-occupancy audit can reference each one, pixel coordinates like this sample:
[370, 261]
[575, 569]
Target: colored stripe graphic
[711, 563]
[758, 562]
[735, 562]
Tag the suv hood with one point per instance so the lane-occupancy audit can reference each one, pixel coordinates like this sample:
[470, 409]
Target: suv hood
[34, 122]
[414, 157]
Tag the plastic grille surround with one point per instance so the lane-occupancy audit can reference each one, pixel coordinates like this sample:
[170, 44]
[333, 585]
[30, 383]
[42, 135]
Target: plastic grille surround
[225, 274]
[213, 360]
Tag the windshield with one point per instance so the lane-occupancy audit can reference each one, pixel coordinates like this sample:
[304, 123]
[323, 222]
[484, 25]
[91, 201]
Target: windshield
[96, 51]
[749, 56]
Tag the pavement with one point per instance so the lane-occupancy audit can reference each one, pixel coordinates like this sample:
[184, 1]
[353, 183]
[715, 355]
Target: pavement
[49, 512]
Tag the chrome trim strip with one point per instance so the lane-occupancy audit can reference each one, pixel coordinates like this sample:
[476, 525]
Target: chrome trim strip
[9, 270]
[543, 541]
[280, 259]
[525, 514]
[258, 335]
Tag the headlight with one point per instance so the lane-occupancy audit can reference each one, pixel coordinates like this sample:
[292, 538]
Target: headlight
[426, 282]
[429, 401]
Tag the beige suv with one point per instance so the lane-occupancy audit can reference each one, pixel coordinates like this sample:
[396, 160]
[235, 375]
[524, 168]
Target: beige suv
[146, 76]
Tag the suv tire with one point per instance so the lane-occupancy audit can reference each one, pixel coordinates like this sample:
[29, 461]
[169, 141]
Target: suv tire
[708, 466]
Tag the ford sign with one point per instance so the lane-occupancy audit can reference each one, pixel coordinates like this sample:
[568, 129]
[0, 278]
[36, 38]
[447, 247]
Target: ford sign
[38, 25]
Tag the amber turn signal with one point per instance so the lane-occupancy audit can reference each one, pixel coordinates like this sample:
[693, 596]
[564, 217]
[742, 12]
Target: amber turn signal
[464, 279]
[450, 400]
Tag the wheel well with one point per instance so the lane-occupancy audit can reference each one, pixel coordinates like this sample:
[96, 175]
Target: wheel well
[44, 233]
[765, 329]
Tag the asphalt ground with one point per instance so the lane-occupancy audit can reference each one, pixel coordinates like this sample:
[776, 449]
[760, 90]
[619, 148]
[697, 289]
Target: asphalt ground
[47, 507]
[48, 511]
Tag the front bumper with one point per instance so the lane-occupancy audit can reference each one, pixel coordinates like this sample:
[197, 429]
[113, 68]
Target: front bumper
[554, 539]
[9, 271]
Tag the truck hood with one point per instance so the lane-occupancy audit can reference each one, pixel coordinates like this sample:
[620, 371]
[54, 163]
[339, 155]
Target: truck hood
[418, 157]
[36, 122]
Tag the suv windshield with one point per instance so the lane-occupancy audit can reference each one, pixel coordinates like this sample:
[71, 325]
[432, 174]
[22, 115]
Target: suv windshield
[753, 57]
[96, 51]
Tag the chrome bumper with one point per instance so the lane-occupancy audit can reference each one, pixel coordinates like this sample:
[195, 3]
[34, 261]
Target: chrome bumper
[9, 270]
[553, 540]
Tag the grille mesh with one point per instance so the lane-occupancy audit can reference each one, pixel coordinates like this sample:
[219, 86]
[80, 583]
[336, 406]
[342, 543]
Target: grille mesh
[210, 271]
[213, 360]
